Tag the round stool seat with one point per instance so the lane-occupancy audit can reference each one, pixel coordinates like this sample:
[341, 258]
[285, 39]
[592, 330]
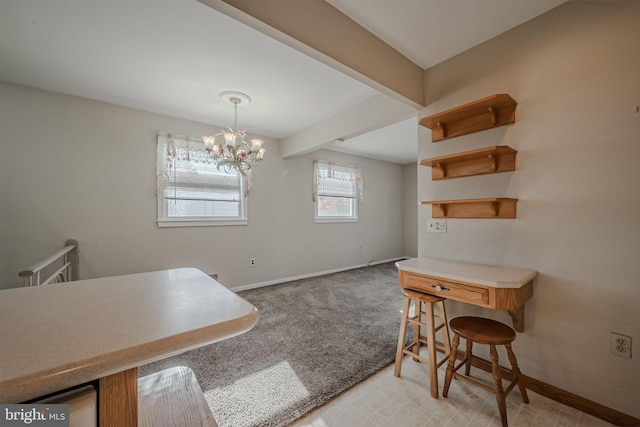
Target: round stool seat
[416, 295]
[481, 330]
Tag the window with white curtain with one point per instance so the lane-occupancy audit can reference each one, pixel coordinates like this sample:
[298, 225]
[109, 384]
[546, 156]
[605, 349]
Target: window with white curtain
[337, 192]
[192, 191]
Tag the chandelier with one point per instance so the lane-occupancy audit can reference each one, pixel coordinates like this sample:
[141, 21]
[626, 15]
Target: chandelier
[233, 152]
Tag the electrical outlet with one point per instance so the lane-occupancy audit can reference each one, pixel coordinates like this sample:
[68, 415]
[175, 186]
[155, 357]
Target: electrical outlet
[437, 225]
[620, 345]
[252, 262]
[360, 246]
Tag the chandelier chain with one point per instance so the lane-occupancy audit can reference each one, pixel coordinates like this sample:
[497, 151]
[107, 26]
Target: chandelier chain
[235, 116]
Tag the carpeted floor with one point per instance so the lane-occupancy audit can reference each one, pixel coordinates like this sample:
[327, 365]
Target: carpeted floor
[315, 338]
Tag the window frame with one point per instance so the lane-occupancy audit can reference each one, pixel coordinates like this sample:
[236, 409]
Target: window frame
[165, 164]
[356, 197]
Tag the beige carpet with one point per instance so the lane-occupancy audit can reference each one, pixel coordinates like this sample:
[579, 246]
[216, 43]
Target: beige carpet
[315, 338]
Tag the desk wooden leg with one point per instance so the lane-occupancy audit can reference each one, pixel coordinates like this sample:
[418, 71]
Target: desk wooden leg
[118, 399]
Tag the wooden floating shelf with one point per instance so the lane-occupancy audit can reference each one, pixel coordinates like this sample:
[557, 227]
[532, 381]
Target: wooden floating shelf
[486, 113]
[494, 159]
[473, 208]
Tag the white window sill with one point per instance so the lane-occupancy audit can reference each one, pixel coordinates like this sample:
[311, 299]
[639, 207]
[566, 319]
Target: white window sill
[329, 220]
[196, 223]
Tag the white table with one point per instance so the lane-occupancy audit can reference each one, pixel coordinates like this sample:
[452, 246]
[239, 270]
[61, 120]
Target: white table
[57, 336]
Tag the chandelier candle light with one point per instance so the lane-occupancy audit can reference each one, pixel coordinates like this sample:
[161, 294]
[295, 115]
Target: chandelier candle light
[234, 153]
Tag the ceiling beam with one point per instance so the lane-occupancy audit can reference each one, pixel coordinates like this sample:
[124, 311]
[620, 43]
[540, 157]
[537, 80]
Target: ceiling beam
[321, 31]
[372, 114]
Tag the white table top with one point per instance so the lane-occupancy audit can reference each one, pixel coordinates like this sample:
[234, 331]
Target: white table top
[60, 335]
[487, 275]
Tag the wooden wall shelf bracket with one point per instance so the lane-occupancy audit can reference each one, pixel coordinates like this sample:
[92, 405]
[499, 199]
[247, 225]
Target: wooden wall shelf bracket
[442, 167]
[443, 209]
[473, 208]
[500, 158]
[492, 114]
[495, 207]
[486, 113]
[494, 162]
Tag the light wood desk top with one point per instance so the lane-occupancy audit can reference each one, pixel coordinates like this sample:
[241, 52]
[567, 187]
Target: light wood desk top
[57, 336]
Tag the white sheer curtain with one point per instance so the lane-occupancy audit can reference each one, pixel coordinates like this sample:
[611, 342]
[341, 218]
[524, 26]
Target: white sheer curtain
[175, 150]
[337, 180]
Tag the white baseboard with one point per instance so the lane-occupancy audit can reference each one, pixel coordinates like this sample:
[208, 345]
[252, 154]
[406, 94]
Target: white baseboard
[306, 276]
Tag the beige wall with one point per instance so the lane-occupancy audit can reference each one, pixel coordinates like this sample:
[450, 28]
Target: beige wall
[575, 74]
[410, 211]
[75, 168]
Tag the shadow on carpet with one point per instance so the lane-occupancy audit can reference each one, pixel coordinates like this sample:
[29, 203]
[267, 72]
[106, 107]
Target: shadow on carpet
[315, 338]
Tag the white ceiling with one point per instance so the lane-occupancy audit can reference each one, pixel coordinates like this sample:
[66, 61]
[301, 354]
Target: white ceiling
[431, 31]
[174, 57]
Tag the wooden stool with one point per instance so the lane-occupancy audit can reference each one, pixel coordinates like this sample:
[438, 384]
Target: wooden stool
[484, 331]
[413, 349]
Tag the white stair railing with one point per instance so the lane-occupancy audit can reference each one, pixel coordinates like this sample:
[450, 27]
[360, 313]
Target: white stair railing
[65, 263]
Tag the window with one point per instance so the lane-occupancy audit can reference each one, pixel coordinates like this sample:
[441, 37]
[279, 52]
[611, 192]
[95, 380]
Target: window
[337, 192]
[191, 189]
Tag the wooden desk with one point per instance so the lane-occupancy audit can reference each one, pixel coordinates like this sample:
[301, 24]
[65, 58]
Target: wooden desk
[58, 336]
[498, 288]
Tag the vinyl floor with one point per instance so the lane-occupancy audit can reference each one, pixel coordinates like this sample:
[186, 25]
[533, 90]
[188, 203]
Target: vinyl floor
[386, 400]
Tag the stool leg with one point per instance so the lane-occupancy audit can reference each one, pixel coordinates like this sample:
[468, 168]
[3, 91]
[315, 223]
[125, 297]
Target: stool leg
[403, 332]
[416, 327]
[452, 361]
[445, 329]
[469, 356]
[431, 342]
[517, 373]
[497, 378]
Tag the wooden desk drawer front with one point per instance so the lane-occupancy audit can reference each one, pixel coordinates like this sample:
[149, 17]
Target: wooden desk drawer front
[443, 288]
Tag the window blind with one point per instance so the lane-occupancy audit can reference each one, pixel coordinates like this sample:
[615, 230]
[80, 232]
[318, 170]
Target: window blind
[337, 191]
[191, 189]
[202, 183]
[337, 180]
